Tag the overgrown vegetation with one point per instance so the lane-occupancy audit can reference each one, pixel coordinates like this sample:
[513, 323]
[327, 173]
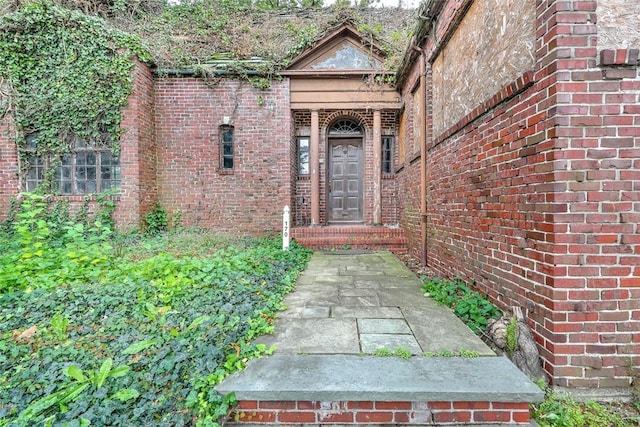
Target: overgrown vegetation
[200, 33]
[155, 221]
[43, 246]
[133, 330]
[556, 410]
[562, 411]
[64, 74]
[400, 352]
[470, 306]
[469, 354]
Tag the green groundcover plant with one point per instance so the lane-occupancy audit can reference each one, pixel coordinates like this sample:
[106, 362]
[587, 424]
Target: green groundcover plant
[557, 410]
[563, 411]
[128, 330]
[470, 306]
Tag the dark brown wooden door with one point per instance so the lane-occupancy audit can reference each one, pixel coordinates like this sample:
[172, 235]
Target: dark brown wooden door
[345, 180]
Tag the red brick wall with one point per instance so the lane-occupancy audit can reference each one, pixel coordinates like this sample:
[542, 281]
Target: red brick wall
[138, 192]
[534, 195]
[595, 333]
[137, 157]
[9, 184]
[389, 196]
[408, 177]
[189, 113]
[302, 413]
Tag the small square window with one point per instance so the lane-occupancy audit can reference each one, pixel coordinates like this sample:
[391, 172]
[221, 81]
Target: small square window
[35, 173]
[303, 155]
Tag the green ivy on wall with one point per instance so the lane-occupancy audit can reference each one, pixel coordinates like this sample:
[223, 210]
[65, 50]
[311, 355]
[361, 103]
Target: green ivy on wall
[63, 73]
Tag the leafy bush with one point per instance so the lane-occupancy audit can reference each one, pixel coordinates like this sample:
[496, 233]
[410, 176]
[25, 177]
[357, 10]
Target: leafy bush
[142, 337]
[41, 246]
[156, 221]
[470, 306]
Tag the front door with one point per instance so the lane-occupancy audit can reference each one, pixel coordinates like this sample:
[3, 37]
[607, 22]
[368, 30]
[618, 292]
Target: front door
[345, 180]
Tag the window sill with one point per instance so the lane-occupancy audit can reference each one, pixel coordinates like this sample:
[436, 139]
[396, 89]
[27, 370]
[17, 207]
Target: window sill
[225, 171]
[304, 177]
[92, 197]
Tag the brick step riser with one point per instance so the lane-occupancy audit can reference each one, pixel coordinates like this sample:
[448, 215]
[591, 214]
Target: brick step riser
[398, 249]
[438, 413]
[327, 238]
[382, 234]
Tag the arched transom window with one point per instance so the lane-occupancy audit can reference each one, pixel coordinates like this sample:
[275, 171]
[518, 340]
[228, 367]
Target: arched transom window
[345, 127]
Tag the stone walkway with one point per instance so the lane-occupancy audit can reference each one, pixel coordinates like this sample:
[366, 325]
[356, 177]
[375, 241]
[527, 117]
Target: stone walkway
[347, 307]
[363, 304]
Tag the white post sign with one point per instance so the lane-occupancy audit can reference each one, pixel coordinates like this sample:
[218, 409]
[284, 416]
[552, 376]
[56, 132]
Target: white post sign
[286, 228]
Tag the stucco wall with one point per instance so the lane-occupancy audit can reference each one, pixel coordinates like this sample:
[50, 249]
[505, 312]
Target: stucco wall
[493, 45]
[618, 24]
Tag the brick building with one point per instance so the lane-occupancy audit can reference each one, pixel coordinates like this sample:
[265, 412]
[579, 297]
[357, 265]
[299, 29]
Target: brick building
[527, 152]
[506, 153]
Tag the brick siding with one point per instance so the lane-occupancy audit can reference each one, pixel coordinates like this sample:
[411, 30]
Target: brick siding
[533, 195]
[137, 158]
[9, 183]
[382, 413]
[408, 167]
[249, 199]
[138, 191]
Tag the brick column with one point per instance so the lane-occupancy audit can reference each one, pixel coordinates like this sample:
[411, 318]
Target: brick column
[315, 168]
[377, 168]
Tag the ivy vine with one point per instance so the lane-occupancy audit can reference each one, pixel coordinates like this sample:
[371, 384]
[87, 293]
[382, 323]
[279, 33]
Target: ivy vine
[63, 73]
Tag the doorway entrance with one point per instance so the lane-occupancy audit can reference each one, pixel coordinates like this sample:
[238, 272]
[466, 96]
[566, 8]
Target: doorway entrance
[345, 180]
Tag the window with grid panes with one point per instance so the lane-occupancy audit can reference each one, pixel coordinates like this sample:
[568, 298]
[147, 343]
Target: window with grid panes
[303, 155]
[87, 169]
[387, 154]
[226, 147]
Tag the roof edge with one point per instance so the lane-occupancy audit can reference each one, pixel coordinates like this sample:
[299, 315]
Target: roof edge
[428, 12]
[346, 29]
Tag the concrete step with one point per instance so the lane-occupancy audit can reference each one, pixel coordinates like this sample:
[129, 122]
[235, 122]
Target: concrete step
[351, 237]
[351, 389]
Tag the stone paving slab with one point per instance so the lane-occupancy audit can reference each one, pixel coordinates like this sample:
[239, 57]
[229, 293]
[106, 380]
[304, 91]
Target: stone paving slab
[306, 312]
[311, 299]
[314, 336]
[368, 288]
[345, 306]
[368, 378]
[365, 301]
[403, 297]
[371, 343]
[367, 312]
[383, 326]
[435, 332]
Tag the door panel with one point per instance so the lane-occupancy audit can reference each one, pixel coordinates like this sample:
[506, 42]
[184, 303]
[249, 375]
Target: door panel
[345, 180]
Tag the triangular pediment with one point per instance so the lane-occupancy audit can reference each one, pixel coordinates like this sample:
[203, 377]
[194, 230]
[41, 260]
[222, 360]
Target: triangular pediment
[342, 50]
